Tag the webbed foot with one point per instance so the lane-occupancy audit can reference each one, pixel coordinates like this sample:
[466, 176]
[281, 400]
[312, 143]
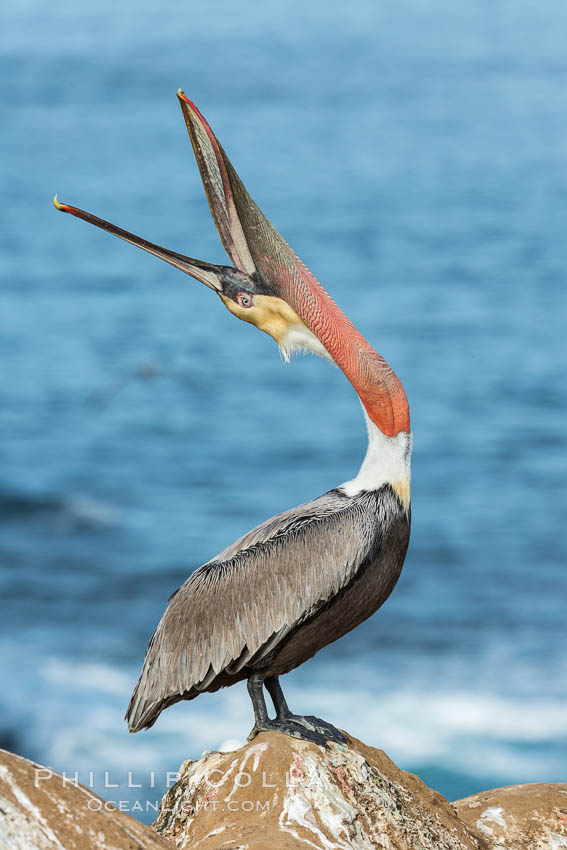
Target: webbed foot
[290, 726]
[319, 727]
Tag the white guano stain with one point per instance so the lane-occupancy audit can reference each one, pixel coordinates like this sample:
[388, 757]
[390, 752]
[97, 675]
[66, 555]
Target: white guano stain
[494, 814]
[27, 804]
[255, 752]
[315, 803]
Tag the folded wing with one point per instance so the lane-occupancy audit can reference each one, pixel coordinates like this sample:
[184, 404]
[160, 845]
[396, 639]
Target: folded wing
[233, 611]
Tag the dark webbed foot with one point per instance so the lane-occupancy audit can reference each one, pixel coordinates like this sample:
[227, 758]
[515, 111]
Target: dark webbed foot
[319, 727]
[288, 726]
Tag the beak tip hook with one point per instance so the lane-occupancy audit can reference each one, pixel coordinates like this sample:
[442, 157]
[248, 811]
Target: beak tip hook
[183, 97]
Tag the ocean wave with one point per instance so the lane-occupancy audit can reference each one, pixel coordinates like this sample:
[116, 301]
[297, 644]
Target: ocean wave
[79, 511]
[101, 678]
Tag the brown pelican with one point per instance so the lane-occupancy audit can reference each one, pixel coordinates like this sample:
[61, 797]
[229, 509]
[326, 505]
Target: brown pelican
[304, 578]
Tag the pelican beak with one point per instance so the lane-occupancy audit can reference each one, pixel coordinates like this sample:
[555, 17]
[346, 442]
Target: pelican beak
[264, 265]
[207, 273]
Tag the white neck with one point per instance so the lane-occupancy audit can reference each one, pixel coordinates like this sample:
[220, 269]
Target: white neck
[387, 461]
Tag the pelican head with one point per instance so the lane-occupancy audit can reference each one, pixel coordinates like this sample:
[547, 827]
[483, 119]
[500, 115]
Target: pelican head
[268, 286]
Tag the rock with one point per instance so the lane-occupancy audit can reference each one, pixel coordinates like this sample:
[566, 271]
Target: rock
[519, 817]
[281, 793]
[278, 793]
[41, 813]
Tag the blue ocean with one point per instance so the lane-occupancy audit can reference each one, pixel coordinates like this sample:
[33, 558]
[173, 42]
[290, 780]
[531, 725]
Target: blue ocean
[415, 156]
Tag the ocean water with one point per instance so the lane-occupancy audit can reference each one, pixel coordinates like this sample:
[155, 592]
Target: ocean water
[415, 156]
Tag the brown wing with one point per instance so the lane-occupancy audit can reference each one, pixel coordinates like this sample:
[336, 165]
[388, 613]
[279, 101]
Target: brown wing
[239, 606]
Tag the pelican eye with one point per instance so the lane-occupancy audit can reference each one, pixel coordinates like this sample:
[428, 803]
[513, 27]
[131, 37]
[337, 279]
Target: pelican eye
[244, 299]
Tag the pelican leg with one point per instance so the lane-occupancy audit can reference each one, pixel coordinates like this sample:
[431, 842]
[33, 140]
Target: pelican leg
[312, 724]
[284, 721]
[274, 689]
[255, 683]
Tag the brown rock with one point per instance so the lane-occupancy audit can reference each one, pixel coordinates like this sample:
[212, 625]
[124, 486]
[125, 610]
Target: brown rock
[519, 817]
[282, 794]
[39, 813]
[277, 793]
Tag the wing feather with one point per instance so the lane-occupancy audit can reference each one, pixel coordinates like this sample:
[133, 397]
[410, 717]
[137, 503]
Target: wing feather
[240, 605]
